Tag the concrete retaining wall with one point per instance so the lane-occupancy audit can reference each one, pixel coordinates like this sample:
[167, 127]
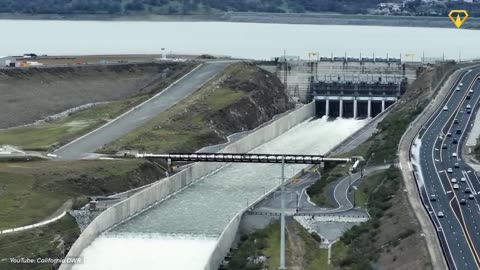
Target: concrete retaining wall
[161, 190]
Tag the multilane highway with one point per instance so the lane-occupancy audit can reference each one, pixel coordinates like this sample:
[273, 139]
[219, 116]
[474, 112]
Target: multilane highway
[445, 181]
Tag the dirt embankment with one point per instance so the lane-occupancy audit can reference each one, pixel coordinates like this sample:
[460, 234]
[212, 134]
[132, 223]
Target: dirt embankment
[31, 94]
[240, 98]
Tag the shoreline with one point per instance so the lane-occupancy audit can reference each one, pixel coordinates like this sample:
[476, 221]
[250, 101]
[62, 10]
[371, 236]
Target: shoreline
[259, 17]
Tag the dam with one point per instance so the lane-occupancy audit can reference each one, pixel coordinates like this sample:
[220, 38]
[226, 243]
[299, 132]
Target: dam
[188, 223]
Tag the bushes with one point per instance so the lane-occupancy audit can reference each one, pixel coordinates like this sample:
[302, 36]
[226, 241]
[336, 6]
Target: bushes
[317, 190]
[360, 239]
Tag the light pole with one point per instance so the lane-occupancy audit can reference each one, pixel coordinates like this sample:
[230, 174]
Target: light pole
[282, 219]
[349, 181]
[354, 188]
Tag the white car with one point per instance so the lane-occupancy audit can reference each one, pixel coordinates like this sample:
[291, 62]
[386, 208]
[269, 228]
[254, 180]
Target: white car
[445, 108]
[453, 180]
[457, 89]
[455, 186]
[470, 91]
[463, 179]
[461, 84]
[454, 154]
[449, 170]
[440, 214]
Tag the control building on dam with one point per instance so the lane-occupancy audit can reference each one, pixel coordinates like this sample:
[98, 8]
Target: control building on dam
[357, 99]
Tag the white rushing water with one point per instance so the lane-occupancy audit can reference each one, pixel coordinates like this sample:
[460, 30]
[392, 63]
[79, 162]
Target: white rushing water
[204, 209]
[147, 251]
[248, 40]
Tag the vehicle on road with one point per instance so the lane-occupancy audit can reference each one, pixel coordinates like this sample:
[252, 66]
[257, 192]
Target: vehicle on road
[469, 97]
[456, 186]
[459, 131]
[453, 180]
[444, 146]
[440, 214]
[456, 165]
[449, 170]
[470, 91]
[471, 197]
[457, 89]
[449, 134]
[468, 190]
[454, 141]
[461, 84]
[445, 108]
[463, 179]
[455, 121]
[463, 201]
[433, 198]
[454, 154]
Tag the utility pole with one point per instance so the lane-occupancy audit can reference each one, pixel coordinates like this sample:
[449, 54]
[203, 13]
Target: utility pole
[282, 219]
[285, 74]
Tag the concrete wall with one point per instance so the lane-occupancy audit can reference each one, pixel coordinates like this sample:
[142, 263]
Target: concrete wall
[159, 191]
[228, 236]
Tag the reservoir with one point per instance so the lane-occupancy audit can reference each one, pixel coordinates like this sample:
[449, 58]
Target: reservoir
[244, 40]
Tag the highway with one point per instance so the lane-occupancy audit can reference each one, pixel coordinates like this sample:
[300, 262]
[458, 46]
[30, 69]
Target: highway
[436, 155]
[141, 114]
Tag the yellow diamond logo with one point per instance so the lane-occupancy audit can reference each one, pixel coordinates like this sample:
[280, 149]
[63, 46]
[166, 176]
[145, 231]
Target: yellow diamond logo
[458, 16]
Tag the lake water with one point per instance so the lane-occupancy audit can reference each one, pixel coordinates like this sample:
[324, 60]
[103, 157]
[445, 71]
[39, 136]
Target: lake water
[248, 40]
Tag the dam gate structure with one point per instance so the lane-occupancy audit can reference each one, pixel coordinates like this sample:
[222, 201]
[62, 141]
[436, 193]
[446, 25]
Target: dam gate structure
[355, 98]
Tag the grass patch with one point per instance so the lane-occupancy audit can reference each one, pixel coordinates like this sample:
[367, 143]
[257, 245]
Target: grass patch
[358, 247]
[366, 188]
[265, 242]
[46, 136]
[219, 108]
[318, 191]
[45, 242]
[314, 258]
[31, 191]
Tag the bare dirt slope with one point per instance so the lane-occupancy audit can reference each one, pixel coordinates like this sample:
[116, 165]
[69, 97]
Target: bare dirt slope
[240, 98]
[31, 94]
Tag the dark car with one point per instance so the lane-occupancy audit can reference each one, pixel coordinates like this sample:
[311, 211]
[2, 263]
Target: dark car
[454, 141]
[459, 131]
[455, 121]
[444, 146]
[463, 201]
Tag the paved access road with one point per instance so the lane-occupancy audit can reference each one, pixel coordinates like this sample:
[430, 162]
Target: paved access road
[142, 113]
[296, 195]
[433, 155]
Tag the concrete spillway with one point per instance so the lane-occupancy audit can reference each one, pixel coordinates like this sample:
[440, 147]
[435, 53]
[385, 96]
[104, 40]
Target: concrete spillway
[187, 224]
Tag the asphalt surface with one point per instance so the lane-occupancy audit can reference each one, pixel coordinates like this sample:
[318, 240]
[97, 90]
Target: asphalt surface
[457, 229]
[296, 196]
[141, 114]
